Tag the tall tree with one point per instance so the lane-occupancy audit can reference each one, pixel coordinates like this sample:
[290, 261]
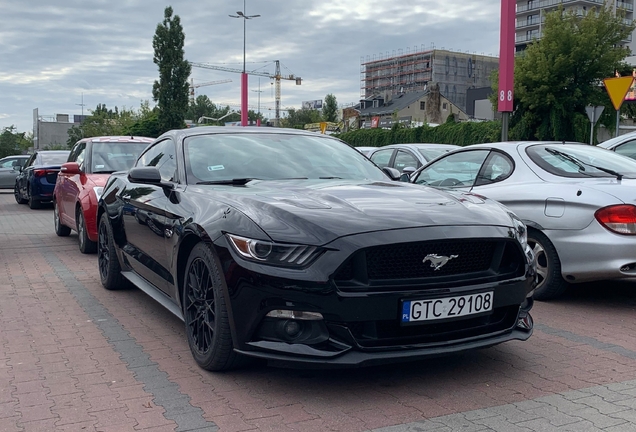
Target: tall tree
[330, 110]
[560, 74]
[171, 92]
[13, 142]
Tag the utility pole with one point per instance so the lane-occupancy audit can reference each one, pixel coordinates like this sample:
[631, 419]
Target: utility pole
[82, 105]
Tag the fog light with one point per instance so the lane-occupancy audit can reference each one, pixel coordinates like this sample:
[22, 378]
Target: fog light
[292, 328]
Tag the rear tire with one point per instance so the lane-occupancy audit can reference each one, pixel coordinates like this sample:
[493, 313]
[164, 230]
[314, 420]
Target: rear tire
[33, 203]
[17, 196]
[205, 312]
[60, 230]
[86, 245]
[107, 261]
[551, 284]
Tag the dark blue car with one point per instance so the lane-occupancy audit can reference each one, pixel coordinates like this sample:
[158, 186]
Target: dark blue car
[36, 181]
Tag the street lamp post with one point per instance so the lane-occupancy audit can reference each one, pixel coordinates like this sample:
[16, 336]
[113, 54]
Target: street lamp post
[245, 17]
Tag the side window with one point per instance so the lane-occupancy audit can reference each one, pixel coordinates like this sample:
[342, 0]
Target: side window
[455, 170]
[382, 157]
[77, 154]
[497, 167]
[162, 156]
[628, 149]
[405, 159]
[8, 163]
[31, 160]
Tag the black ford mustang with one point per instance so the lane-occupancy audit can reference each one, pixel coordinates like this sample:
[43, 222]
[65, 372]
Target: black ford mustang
[292, 246]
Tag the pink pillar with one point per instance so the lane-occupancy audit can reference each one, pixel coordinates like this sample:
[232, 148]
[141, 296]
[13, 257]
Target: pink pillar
[243, 99]
[507, 55]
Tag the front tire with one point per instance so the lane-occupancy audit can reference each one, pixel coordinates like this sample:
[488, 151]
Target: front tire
[551, 284]
[107, 261]
[205, 312]
[60, 229]
[86, 245]
[17, 196]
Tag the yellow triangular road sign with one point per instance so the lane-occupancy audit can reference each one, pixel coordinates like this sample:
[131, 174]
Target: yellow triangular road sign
[617, 88]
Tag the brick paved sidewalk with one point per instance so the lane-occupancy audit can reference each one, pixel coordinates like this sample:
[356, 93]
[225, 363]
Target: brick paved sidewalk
[76, 357]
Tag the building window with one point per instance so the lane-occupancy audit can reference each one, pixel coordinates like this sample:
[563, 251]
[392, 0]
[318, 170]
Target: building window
[422, 105]
[444, 106]
[376, 103]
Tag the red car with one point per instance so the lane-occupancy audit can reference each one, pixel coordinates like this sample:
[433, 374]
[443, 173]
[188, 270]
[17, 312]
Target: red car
[82, 178]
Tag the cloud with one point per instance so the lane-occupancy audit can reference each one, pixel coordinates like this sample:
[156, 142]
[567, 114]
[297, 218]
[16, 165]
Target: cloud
[52, 55]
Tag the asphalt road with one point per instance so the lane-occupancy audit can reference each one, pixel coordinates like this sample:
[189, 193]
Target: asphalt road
[76, 357]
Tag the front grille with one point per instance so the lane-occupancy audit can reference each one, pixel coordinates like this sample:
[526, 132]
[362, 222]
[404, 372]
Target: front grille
[405, 261]
[405, 265]
[377, 334]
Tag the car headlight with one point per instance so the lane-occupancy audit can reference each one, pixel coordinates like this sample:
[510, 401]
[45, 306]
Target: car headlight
[277, 254]
[98, 191]
[521, 231]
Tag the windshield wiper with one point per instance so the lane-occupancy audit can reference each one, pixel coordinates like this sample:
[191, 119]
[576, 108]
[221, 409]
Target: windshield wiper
[104, 172]
[330, 178]
[579, 163]
[236, 181]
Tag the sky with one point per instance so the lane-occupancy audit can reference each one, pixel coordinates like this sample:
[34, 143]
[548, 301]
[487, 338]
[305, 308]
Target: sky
[57, 55]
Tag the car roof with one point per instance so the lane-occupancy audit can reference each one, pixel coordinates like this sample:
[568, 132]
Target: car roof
[118, 138]
[54, 151]
[213, 130]
[617, 140]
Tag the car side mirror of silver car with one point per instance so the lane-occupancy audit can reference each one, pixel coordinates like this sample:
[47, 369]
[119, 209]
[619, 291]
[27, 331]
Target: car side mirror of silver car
[408, 170]
[392, 173]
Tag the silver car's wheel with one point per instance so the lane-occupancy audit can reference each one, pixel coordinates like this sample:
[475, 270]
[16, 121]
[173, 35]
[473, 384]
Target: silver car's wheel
[550, 282]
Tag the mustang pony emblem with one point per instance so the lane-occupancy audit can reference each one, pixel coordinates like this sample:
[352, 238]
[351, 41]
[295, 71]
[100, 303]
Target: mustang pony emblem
[438, 261]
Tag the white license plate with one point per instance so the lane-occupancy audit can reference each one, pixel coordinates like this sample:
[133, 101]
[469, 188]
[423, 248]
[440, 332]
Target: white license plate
[448, 307]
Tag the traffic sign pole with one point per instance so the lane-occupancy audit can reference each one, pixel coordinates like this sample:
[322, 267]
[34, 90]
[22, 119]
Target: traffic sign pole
[506, 63]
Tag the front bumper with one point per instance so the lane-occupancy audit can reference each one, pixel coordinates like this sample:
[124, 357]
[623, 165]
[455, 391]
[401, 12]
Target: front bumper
[362, 326]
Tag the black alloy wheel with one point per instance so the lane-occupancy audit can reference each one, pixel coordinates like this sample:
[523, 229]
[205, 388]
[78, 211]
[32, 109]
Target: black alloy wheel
[205, 312]
[107, 262]
[60, 229]
[17, 196]
[551, 283]
[86, 245]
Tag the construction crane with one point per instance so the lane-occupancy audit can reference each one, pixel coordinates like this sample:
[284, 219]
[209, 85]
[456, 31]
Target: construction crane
[277, 76]
[195, 86]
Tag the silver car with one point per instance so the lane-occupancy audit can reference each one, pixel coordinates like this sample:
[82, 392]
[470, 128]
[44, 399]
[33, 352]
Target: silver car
[9, 170]
[408, 157]
[577, 201]
[622, 144]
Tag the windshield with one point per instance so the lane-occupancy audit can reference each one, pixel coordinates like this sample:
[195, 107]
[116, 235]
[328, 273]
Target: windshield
[581, 161]
[269, 156]
[109, 157]
[54, 158]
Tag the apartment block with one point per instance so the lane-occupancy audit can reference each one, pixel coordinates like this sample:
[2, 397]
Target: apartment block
[531, 16]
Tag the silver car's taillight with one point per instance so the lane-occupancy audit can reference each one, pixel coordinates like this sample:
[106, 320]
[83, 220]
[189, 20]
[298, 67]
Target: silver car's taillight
[620, 219]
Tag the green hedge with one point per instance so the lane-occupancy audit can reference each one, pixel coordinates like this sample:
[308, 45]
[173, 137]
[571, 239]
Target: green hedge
[462, 134]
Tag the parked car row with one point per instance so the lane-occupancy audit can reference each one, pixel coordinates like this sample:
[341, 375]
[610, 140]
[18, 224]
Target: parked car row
[291, 246]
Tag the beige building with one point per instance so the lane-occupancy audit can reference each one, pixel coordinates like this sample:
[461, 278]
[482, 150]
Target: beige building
[531, 16]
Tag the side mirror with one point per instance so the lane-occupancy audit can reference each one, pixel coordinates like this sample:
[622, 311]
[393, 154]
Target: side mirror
[405, 178]
[70, 168]
[148, 175]
[408, 170]
[392, 173]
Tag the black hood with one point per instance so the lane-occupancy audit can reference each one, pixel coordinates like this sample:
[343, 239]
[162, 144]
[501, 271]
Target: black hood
[317, 211]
